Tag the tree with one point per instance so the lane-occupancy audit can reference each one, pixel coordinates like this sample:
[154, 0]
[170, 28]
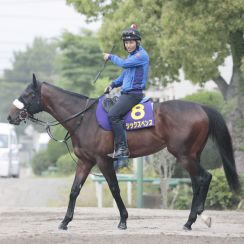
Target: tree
[198, 36]
[80, 61]
[193, 35]
[164, 164]
[118, 15]
[213, 99]
[189, 35]
[38, 58]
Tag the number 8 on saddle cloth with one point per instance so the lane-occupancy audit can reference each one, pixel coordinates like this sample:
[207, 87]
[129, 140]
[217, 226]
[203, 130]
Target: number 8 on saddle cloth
[141, 115]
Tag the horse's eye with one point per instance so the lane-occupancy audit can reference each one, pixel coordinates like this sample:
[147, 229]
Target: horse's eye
[30, 94]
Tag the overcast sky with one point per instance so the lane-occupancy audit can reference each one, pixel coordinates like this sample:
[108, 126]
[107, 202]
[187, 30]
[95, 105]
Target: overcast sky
[23, 20]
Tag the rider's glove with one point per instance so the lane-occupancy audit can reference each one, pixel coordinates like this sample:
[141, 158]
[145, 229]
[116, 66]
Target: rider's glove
[108, 89]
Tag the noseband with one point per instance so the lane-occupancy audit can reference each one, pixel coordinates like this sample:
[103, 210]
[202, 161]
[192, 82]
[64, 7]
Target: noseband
[31, 107]
[23, 114]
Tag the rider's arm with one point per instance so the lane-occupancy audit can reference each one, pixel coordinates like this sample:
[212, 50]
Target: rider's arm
[138, 59]
[119, 81]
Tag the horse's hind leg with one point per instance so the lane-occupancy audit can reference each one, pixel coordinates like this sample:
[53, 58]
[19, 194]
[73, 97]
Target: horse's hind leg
[82, 171]
[200, 179]
[205, 179]
[106, 167]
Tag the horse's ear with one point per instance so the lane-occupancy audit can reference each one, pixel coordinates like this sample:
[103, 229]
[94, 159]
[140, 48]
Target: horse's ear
[34, 81]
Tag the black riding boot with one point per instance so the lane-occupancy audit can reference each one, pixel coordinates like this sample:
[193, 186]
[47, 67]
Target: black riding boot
[120, 140]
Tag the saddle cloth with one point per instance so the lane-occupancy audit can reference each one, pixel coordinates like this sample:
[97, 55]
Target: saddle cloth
[139, 117]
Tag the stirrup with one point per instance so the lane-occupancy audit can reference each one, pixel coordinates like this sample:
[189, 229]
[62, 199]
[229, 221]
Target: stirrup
[120, 163]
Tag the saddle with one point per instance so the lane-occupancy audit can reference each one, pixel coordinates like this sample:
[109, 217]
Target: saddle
[109, 102]
[141, 115]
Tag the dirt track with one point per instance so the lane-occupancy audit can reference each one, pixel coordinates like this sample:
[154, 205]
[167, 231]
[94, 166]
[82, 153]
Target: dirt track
[93, 225]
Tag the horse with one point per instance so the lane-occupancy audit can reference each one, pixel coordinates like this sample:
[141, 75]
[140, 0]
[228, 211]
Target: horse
[180, 126]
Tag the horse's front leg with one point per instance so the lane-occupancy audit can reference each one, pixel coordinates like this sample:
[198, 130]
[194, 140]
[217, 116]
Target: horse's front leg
[106, 167]
[82, 170]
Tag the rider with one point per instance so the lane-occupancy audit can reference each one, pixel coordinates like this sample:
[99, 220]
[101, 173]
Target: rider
[133, 81]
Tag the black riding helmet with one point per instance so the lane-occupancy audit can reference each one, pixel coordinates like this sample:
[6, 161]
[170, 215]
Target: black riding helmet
[131, 34]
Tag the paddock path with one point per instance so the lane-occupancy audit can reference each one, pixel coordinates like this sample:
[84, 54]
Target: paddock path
[94, 225]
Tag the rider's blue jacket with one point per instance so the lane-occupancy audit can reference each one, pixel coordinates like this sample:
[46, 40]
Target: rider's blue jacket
[135, 71]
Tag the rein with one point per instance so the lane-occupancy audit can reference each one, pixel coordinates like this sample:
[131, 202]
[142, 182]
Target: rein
[104, 64]
[55, 122]
[68, 135]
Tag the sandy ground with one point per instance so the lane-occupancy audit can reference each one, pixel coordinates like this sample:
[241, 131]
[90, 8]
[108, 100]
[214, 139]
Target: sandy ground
[31, 192]
[26, 217]
[94, 225]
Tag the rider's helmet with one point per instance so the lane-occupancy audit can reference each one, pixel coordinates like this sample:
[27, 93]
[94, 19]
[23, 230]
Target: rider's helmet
[132, 34]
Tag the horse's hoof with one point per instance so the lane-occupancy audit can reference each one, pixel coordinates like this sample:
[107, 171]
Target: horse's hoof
[62, 227]
[206, 220]
[187, 227]
[122, 226]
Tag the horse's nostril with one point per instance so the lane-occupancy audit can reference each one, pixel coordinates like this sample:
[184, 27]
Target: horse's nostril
[9, 118]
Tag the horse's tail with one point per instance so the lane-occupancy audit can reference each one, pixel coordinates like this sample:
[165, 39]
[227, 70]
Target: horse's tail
[219, 132]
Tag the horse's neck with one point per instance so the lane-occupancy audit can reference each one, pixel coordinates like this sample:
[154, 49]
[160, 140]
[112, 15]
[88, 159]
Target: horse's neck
[60, 104]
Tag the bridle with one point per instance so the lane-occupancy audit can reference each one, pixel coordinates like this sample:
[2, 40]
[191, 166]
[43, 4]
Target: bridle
[23, 114]
[27, 112]
[31, 107]
[28, 109]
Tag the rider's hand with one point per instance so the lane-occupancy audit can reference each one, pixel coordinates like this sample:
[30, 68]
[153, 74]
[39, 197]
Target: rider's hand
[106, 56]
[108, 89]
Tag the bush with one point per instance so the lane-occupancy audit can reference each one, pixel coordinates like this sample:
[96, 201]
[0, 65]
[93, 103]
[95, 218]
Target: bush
[184, 197]
[40, 162]
[220, 196]
[66, 165]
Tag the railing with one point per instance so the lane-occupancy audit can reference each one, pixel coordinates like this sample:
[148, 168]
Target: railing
[130, 178]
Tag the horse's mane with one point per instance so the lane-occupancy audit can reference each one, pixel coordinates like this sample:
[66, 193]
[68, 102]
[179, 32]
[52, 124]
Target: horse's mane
[67, 92]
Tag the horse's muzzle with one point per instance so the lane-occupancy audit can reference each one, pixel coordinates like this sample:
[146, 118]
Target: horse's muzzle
[22, 115]
[13, 121]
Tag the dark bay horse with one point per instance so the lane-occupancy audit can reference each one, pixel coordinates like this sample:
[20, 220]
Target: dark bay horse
[182, 127]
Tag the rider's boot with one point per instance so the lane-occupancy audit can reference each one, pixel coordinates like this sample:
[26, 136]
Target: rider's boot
[120, 141]
[121, 150]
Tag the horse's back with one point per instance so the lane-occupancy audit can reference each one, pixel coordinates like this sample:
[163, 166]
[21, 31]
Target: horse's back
[181, 111]
[181, 122]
